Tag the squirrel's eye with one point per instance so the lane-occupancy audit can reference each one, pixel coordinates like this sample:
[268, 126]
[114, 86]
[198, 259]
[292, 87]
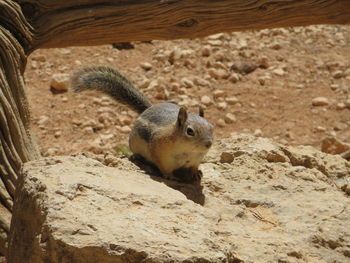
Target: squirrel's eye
[190, 132]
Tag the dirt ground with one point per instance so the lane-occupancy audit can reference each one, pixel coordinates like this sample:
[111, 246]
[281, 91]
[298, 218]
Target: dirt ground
[265, 79]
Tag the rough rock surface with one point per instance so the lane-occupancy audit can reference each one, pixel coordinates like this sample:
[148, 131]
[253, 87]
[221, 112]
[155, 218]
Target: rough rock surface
[258, 202]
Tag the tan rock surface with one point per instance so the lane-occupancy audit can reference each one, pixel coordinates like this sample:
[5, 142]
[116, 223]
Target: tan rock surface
[258, 202]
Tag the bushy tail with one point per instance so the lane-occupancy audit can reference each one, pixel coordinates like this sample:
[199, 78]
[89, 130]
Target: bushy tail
[111, 82]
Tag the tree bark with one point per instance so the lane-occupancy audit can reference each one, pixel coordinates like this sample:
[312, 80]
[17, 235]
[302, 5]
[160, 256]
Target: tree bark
[26, 25]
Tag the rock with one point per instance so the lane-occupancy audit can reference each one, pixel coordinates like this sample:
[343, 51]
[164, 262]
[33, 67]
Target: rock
[258, 132]
[338, 74]
[187, 83]
[144, 83]
[334, 86]
[320, 101]
[221, 105]
[334, 146]
[51, 152]
[263, 62]
[216, 42]
[57, 134]
[262, 81]
[43, 119]
[125, 129]
[221, 123]
[347, 103]
[206, 100]
[146, 66]
[60, 82]
[218, 73]
[279, 71]
[75, 209]
[232, 100]
[244, 67]
[40, 58]
[321, 129]
[276, 46]
[201, 82]
[116, 215]
[230, 118]
[338, 126]
[206, 51]
[220, 36]
[234, 77]
[218, 93]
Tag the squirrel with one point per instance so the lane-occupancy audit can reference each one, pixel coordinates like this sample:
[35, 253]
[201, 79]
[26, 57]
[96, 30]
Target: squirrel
[164, 134]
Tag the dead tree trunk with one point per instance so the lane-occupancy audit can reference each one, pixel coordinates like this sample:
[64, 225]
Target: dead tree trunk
[26, 25]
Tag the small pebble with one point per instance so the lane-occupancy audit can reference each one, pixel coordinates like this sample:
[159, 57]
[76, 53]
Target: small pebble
[221, 105]
[338, 74]
[221, 122]
[60, 82]
[340, 106]
[218, 73]
[320, 101]
[230, 118]
[146, 65]
[232, 100]
[125, 129]
[218, 93]
[206, 100]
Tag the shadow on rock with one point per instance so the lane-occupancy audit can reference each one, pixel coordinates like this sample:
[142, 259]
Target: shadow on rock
[192, 189]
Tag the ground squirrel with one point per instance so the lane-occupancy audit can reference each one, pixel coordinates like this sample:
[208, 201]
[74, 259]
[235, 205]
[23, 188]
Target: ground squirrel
[164, 134]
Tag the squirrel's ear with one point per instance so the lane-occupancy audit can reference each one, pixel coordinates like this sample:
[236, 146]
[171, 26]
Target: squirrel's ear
[182, 117]
[201, 111]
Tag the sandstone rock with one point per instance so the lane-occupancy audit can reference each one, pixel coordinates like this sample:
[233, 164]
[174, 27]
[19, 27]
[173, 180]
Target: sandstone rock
[230, 118]
[221, 123]
[334, 146]
[125, 129]
[218, 73]
[334, 86]
[187, 83]
[214, 42]
[74, 209]
[347, 103]
[244, 67]
[60, 82]
[320, 101]
[206, 100]
[43, 119]
[340, 106]
[218, 93]
[221, 105]
[206, 51]
[115, 215]
[234, 77]
[264, 62]
[144, 83]
[146, 65]
[232, 100]
[338, 74]
[279, 71]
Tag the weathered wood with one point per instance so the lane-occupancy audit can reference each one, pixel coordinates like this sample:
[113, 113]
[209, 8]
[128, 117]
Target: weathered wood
[93, 22]
[16, 144]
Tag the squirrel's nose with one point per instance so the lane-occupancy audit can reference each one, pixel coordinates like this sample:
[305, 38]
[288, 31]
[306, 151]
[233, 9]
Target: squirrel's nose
[208, 144]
